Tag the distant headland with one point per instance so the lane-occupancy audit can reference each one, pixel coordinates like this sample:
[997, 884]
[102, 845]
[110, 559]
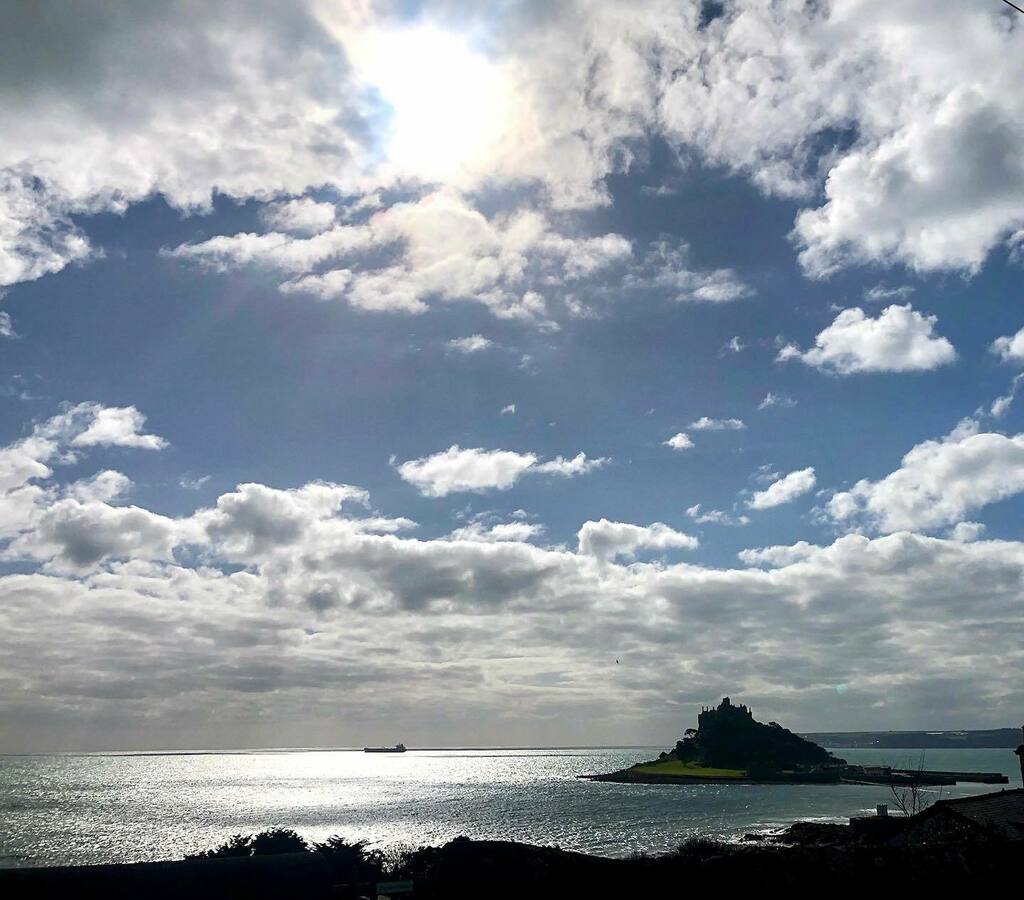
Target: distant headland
[990, 738]
[729, 746]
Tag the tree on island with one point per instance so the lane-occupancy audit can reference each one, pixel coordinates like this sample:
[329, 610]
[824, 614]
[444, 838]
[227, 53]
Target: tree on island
[730, 737]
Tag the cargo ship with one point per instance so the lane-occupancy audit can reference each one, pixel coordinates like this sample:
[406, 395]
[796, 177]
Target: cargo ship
[398, 748]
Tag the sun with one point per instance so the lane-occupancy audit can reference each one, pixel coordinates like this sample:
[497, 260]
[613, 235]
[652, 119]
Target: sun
[449, 105]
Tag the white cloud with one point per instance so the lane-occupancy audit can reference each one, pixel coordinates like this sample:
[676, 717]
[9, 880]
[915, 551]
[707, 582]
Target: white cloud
[776, 400]
[706, 424]
[1010, 348]
[509, 410]
[965, 532]
[439, 247]
[100, 488]
[881, 293]
[938, 482]
[301, 216]
[71, 535]
[475, 470]
[276, 249]
[931, 175]
[1001, 404]
[665, 268]
[256, 519]
[608, 540]
[785, 490]
[474, 343]
[916, 153]
[246, 100]
[501, 531]
[679, 441]
[147, 613]
[6, 325]
[715, 517]
[117, 427]
[778, 556]
[37, 237]
[193, 484]
[567, 468]
[899, 340]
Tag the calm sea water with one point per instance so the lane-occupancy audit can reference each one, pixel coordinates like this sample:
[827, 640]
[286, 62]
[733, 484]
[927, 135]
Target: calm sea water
[117, 808]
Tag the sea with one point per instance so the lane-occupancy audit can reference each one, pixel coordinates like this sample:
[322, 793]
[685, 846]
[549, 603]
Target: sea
[118, 807]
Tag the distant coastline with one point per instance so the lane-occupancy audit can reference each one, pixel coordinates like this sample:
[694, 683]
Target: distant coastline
[982, 739]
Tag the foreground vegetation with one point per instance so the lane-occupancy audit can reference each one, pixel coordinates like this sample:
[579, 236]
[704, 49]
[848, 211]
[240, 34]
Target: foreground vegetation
[281, 863]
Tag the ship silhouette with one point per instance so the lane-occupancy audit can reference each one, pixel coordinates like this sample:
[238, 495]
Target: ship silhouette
[398, 748]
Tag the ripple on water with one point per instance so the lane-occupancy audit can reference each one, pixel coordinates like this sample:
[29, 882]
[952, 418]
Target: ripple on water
[92, 809]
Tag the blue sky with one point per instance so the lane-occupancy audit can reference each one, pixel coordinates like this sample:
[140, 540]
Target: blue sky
[342, 364]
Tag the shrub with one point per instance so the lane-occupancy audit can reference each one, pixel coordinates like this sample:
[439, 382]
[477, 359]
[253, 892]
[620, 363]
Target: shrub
[265, 843]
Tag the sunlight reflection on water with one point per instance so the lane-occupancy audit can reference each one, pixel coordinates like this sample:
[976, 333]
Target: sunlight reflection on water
[90, 809]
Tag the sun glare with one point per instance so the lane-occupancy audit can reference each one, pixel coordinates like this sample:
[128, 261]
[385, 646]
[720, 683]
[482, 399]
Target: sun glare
[449, 105]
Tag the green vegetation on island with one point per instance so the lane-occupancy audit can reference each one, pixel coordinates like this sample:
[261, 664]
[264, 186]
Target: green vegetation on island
[686, 769]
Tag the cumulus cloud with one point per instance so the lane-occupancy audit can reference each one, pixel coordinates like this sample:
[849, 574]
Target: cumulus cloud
[500, 531]
[303, 215]
[917, 162]
[474, 343]
[6, 325]
[704, 423]
[476, 470]
[437, 247]
[1010, 348]
[881, 293]
[567, 468]
[938, 482]
[965, 532]
[509, 410]
[71, 535]
[784, 490]
[715, 516]
[116, 427]
[181, 102]
[102, 487]
[778, 555]
[608, 540]
[250, 603]
[679, 441]
[899, 340]
[53, 440]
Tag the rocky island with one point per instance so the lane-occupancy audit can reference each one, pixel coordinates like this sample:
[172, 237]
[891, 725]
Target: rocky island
[729, 746]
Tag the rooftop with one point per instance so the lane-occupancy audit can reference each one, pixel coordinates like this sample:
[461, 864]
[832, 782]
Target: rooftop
[1001, 809]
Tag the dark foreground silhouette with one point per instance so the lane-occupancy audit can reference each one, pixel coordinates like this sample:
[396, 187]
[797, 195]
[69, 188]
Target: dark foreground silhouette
[281, 864]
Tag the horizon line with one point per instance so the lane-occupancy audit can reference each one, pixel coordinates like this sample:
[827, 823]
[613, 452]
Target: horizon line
[462, 747]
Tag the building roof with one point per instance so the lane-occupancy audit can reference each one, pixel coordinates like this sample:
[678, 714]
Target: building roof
[1002, 809]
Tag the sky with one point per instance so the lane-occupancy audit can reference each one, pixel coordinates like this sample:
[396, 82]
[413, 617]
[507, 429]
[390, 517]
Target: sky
[507, 374]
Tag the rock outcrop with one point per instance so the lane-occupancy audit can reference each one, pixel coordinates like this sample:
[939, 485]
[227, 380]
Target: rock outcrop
[730, 737]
